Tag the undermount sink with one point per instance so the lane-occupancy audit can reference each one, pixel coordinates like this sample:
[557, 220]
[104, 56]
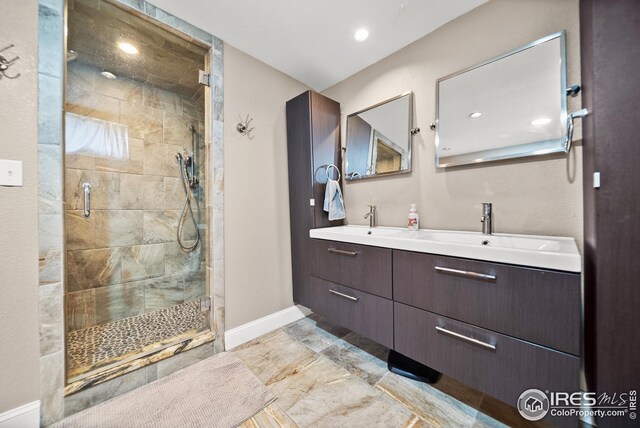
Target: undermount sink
[550, 252]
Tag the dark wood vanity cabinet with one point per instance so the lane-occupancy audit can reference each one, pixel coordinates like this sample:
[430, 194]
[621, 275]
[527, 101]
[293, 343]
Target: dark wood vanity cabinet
[499, 328]
[313, 142]
[537, 305]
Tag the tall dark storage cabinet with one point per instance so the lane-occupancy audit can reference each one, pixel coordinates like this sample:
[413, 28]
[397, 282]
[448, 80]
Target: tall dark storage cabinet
[610, 57]
[313, 142]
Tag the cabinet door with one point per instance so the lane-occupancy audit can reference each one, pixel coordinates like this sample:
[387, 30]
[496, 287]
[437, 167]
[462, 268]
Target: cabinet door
[366, 314]
[533, 304]
[358, 266]
[501, 366]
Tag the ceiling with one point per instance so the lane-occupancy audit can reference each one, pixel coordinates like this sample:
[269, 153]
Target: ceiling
[312, 40]
[164, 60]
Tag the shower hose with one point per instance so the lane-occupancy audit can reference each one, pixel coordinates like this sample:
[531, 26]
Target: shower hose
[187, 211]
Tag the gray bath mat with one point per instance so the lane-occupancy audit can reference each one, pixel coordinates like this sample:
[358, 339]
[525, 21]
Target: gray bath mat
[217, 392]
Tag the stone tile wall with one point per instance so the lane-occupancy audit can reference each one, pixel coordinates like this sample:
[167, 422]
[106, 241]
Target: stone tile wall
[125, 259]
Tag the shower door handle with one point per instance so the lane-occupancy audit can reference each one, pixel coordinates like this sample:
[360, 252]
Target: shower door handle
[86, 187]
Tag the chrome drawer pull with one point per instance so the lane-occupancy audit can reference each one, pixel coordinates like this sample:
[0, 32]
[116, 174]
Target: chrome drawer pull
[466, 273]
[342, 252]
[466, 339]
[346, 296]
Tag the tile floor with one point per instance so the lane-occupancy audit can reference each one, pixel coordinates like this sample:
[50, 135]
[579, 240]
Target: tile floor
[328, 376]
[105, 344]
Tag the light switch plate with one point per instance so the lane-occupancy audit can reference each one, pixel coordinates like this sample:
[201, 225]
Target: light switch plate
[10, 173]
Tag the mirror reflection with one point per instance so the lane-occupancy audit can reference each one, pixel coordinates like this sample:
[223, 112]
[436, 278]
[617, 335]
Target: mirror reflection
[511, 106]
[379, 139]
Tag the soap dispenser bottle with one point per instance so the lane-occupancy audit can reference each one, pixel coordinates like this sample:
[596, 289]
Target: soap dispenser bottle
[414, 221]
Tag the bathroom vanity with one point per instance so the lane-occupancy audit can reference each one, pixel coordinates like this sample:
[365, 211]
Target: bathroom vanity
[500, 313]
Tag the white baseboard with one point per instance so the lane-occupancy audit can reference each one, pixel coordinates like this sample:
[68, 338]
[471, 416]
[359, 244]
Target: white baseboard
[249, 331]
[27, 416]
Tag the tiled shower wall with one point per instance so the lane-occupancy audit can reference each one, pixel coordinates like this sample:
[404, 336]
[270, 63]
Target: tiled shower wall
[124, 260]
[53, 404]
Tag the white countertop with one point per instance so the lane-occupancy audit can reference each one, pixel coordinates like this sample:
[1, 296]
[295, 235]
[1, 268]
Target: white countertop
[549, 252]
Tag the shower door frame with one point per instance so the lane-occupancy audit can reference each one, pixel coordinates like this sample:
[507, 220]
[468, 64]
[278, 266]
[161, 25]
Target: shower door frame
[51, 81]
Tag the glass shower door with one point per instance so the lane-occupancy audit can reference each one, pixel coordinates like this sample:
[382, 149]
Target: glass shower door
[134, 189]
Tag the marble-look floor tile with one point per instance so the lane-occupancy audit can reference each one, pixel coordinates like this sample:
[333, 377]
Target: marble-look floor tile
[270, 417]
[315, 333]
[274, 357]
[349, 402]
[435, 407]
[368, 362]
[305, 380]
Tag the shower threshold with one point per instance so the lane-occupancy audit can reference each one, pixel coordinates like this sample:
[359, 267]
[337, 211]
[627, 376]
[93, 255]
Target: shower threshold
[102, 347]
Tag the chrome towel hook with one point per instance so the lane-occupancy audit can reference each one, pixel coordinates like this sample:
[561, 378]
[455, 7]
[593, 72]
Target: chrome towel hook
[6, 63]
[244, 127]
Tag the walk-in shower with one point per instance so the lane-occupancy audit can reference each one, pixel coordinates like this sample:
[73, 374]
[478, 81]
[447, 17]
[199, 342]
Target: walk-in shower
[136, 243]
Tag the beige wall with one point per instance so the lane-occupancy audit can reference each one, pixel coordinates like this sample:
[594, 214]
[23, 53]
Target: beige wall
[19, 349]
[257, 240]
[535, 196]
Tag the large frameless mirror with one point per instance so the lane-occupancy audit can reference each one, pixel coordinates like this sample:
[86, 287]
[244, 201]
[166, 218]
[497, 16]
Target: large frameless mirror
[379, 139]
[508, 107]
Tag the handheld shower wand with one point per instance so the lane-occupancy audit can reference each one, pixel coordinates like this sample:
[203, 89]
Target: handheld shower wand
[189, 182]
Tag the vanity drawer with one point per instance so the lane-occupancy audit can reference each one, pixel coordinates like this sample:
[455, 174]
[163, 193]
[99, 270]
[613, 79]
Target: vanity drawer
[501, 366]
[366, 314]
[532, 304]
[358, 266]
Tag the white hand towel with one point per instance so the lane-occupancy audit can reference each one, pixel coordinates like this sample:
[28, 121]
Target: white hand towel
[333, 202]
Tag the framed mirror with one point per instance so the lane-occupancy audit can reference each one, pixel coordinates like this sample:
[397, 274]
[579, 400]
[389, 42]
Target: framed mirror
[379, 139]
[511, 106]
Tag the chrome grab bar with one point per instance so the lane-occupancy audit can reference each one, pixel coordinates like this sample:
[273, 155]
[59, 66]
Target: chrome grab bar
[86, 187]
[342, 252]
[346, 296]
[466, 338]
[466, 273]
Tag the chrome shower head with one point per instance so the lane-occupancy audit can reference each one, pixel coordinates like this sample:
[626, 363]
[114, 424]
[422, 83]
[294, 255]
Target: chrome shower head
[179, 157]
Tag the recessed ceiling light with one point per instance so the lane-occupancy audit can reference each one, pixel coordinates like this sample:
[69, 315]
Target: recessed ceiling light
[475, 114]
[108, 75]
[361, 34]
[128, 48]
[541, 121]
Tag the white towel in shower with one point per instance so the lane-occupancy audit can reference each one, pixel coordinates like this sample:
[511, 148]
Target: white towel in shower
[333, 202]
[89, 136]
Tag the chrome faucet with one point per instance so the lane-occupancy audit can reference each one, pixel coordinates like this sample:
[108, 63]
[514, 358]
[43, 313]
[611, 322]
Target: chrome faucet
[487, 219]
[371, 215]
